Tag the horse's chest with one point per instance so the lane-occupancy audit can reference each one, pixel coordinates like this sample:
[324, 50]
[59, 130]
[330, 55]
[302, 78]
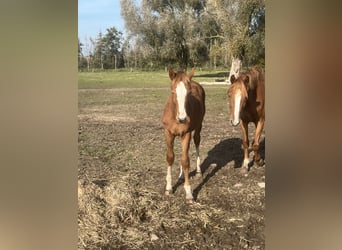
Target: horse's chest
[177, 128]
[250, 112]
[181, 129]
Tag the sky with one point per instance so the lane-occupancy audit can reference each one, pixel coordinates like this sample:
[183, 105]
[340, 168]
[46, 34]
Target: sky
[98, 15]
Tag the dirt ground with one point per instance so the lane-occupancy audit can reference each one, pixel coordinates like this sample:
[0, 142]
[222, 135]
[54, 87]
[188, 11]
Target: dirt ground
[122, 170]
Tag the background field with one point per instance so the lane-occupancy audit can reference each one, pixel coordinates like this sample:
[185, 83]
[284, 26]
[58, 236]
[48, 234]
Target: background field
[122, 170]
[140, 79]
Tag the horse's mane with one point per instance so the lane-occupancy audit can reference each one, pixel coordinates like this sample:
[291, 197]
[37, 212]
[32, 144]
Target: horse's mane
[255, 76]
[180, 74]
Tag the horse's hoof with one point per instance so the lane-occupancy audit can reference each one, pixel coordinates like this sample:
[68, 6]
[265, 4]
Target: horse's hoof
[198, 175]
[260, 163]
[245, 163]
[244, 170]
[168, 192]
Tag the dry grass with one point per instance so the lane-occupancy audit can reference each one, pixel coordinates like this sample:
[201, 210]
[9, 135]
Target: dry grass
[118, 216]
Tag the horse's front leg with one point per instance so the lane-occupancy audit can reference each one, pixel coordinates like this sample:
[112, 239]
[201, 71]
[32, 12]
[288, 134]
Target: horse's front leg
[245, 143]
[258, 130]
[186, 166]
[170, 157]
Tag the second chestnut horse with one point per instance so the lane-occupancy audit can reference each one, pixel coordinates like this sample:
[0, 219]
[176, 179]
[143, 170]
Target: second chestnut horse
[246, 96]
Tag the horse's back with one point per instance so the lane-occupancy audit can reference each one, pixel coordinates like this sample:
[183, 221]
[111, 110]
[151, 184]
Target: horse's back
[198, 91]
[259, 80]
[255, 106]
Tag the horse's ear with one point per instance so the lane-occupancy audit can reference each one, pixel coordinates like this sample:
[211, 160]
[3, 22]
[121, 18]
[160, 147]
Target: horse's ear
[232, 79]
[246, 80]
[191, 73]
[172, 74]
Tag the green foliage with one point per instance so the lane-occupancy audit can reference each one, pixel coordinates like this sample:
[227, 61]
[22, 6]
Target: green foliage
[106, 52]
[182, 34]
[196, 32]
[112, 58]
[169, 31]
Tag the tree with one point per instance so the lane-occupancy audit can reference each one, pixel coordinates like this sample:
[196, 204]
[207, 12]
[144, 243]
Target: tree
[170, 31]
[82, 61]
[242, 25]
[107, 50]
[112, 42]
[98, 51]
[256, 45]
[195, 32]
[79, 50]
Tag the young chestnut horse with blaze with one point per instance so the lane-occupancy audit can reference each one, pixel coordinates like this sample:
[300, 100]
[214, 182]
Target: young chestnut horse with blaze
[247, 104]
[183, 113]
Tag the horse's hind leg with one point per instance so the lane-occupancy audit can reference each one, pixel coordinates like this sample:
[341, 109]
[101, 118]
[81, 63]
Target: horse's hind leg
[197, 140]
[170, 157]
[181, 173]
[259, 127]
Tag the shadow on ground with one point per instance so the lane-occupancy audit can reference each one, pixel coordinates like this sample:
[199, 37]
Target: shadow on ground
[219, 156]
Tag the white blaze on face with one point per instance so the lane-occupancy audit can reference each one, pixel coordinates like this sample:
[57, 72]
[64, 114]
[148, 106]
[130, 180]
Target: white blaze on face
[236, 118]
[181, 95]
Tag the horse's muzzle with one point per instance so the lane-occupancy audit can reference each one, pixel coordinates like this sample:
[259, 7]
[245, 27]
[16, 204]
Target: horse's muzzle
[181, 120]
[234, 123]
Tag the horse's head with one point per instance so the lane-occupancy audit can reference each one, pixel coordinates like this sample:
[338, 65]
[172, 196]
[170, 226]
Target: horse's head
[180, 87]
[237, 97]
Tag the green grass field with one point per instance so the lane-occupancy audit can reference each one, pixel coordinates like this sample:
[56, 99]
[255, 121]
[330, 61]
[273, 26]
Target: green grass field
[138, 79]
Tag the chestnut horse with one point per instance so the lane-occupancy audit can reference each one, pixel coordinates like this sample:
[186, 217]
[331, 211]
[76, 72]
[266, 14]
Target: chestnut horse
[247, 104]
[183, 113]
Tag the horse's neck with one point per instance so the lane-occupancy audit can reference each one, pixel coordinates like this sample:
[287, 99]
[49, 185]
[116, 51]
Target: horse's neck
[173, 106]
[256, 92]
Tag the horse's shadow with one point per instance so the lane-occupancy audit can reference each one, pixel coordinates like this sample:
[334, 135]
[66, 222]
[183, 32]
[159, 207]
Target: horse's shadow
[222, 153]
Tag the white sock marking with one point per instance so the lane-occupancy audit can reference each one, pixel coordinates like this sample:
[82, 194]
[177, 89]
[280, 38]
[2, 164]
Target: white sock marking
[198, 161]
[188, 192]
[169, 179]
[237, 108]
[181, 173]
[245, 162]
